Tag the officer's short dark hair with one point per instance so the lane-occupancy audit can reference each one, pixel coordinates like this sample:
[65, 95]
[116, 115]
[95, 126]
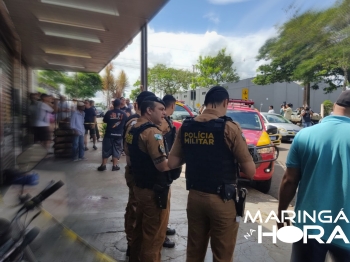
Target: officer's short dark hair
[145, 105]
[169, 100]
[150, 102]
[216, 95]
[116, 103]
[271, 106]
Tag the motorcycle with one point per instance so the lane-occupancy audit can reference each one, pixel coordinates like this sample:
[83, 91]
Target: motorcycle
[15, 236]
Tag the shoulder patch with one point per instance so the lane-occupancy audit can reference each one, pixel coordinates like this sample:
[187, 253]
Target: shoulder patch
[133, 123]
[158, 137]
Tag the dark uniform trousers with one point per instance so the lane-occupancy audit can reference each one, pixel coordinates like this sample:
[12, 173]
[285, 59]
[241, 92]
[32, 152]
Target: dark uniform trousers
[130, 210]
[151, 226]
[210, 217]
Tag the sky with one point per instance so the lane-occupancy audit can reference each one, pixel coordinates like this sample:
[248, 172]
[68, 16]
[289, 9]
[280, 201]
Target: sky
[185, 29]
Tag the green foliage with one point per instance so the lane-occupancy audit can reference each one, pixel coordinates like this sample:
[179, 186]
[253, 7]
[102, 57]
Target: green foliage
[310, 47]
[83, 85]
[103, 129]
[78, 85]
[215, 70]
[328, 107]
[134, 93]
[167, 79]
[52, 78]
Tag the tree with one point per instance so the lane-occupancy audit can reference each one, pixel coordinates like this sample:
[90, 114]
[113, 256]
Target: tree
[215, 70]
[134, 93]
[310, 48]
[109, 83]
[167, 79]
[83, 85]
[51, 78]
[120, 84]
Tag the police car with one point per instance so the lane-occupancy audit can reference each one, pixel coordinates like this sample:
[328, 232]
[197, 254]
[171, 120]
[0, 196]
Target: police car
[254, 130]
[180, 113]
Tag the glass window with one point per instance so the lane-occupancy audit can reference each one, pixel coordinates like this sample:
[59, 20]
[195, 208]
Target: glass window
[247, 120]
[276, 119]
[179, 108]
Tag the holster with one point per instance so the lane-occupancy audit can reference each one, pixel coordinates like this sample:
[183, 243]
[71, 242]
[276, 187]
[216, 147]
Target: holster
[175, 173]
[161, 195]
[240, 204]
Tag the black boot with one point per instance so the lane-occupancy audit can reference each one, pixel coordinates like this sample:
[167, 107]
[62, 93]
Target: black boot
[170, 231]
[168, 243]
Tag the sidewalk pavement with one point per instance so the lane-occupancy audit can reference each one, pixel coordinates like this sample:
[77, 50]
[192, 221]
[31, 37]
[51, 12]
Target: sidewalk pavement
[85, 218]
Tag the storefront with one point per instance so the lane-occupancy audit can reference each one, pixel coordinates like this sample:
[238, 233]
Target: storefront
[72, 35]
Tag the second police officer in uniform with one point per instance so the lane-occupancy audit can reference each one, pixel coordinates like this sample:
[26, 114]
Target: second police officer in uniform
[147, 157]
[212, 146]
[130, 210]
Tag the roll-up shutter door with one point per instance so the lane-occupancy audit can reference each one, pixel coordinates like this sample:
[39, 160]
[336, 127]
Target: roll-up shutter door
[7, 154]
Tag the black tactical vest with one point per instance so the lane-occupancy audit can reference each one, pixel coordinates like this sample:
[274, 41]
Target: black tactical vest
[170, 136]
[169, 139]
[209, 162]
[145, 173]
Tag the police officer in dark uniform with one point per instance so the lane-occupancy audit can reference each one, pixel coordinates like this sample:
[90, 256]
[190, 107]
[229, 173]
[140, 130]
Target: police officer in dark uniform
[130, 210]
[212, 146]
[169, 134]
[147, 157]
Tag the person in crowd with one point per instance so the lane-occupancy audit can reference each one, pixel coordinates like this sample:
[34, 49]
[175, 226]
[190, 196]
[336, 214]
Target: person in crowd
[63, 109]
[282, 110]
[128, 112]
[42, 124]
[112, 144]
[77, 124]
[146, 154]
[128, 104]
[33, 110]
[271, 109]
[123, 106]
[97, 131]
[89, 124]
[130, 210]
[288, 111]
[211, 172]
[306, 115]
[318, 169]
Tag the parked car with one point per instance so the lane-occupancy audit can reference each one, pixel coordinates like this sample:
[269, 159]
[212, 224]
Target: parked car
[180, 113]
[286, 128]
[99, 112]
[194, 112]
[255, 132]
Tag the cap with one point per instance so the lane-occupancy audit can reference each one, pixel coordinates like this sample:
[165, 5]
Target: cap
[344, 99]
[81, 104]
[154, 99]
[142, 96]
[216, 90]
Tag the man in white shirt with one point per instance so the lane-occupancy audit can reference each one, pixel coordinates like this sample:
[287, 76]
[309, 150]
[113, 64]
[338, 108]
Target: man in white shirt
[271, 111]
[42, 123]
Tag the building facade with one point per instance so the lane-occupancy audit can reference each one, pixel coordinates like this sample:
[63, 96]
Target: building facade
[264, 96]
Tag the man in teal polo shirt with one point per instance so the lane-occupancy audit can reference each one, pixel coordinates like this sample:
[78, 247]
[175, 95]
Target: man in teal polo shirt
[318, 165]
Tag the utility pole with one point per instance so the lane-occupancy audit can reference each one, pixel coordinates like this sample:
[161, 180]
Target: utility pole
[194, 90]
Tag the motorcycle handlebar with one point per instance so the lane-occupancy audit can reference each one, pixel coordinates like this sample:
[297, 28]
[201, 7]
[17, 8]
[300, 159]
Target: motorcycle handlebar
[35, 201]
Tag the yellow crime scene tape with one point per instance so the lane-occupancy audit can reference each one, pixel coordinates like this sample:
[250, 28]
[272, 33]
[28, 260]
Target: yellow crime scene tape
[101, 257]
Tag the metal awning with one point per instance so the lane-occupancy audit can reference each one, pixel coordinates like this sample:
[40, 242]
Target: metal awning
[77, 35]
